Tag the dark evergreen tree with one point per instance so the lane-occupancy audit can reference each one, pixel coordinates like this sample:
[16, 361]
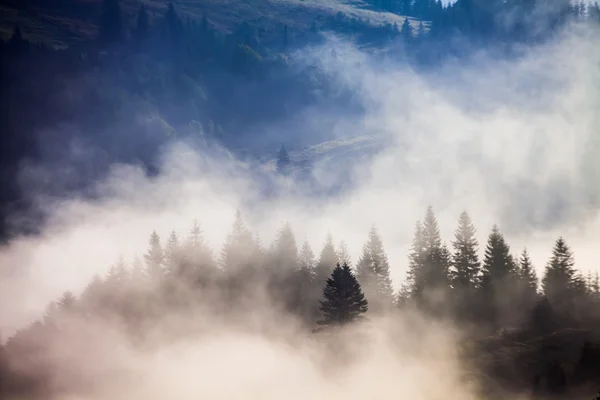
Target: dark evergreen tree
[373, 273]
[465, 261]
[111, 22]
[407, 31]
[498, 280]
[528, 278]
[344, 301]
[558, 282]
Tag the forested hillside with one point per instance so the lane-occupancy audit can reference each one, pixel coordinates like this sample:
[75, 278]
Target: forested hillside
[87, 85]
[522, 335]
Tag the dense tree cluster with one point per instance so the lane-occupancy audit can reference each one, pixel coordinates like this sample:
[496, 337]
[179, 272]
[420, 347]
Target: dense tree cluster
[497, 295]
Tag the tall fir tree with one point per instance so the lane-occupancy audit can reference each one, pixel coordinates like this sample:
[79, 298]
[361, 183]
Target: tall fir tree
[416, 267]
[111, 28]
[238, 248]
[302, 301]
[429, 267]
[327, 262]
[173, 255]
[343, 254]
[373, 273]
[558, 282]
[498, 280]
[344, 300]
[465, 261]
[155, 258]
[198, 260]
[528, 279]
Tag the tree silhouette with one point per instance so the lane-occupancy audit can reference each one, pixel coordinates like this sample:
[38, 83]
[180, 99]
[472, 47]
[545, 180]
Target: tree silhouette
[559, 277]
[373, 272]
[344, 301]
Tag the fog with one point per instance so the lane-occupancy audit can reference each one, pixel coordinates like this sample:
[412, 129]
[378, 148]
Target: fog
[514, 142]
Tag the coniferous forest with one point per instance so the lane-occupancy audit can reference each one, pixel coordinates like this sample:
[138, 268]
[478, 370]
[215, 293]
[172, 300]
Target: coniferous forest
[546, 327]
[152, 74]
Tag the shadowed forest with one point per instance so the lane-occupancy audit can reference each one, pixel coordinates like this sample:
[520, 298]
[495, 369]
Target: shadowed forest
[148, 75]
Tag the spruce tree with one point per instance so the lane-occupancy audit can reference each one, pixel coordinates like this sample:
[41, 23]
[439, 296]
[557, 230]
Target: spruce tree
[416, 267]
[327, 262]
[497, 288]
[559, 277]
[306, 261]
[155, 258]
[343, 254]
[435, 263]
[173, 255]
[284, 253]
[465, 261]
[373, 272]
[528, 278]
[111, 22]
[238, 248]
[344, 301]
[198, 262]
[301, 296]
[407, 31]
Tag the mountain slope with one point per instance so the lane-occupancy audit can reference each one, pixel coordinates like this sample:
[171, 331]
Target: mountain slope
[64, 22]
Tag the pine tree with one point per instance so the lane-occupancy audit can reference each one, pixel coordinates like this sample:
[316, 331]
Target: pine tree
[173, 256]
[559, 277]
[155, 258]
[344, 301]
[435, 262]
[197, 259]
[306, 261]
[239, 247]
[327, 262]
[497, 280]
[111, 23]
[343, 254]
[118, 276]
[67, 302]
[284, 253]
[465, 262]
[528, 277]
[373, 272]
[407, 31]
[416, 267]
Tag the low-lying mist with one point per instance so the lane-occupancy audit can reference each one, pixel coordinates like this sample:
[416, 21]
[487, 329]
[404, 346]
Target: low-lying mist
[513, 141]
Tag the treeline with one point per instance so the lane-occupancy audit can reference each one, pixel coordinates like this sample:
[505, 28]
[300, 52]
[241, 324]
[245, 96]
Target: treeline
[497, 294]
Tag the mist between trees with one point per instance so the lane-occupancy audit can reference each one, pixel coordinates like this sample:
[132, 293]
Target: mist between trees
[489, 320]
